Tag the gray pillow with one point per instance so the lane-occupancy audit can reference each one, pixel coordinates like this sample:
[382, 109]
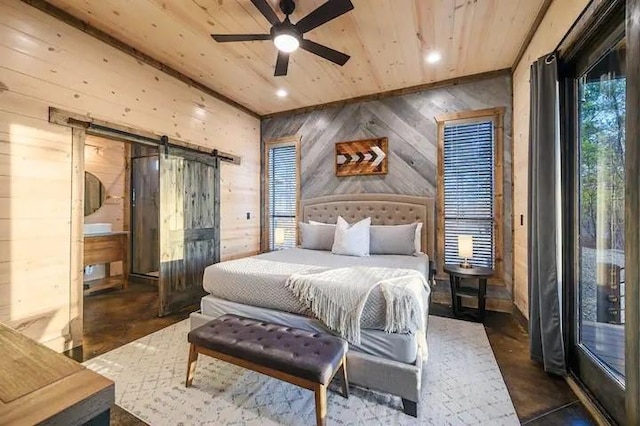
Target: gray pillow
[393, 239]
[316, 237]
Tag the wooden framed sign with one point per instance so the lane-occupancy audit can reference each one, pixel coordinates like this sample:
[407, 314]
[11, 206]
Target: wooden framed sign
[365, 157]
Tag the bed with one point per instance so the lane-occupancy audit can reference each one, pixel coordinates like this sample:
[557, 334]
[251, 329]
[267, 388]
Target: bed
[253, 287]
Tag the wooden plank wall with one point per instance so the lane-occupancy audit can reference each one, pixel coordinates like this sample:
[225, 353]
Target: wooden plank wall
[105, 158]
[409, 123]
[556, 23]
[47, 63]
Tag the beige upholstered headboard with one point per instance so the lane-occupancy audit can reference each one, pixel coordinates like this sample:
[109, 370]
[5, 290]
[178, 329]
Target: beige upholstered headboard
[384, 209]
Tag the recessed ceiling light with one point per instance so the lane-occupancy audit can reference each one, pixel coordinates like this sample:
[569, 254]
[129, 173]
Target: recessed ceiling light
[434, 57]
[282, 93]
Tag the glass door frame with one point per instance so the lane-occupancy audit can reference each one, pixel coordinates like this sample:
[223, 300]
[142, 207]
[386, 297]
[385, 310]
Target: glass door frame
[585, 368]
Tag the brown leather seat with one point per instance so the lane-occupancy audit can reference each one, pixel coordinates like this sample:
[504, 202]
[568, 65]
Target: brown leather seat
[304, 354]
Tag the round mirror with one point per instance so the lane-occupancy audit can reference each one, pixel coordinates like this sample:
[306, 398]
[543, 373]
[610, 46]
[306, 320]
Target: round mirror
[94, 193]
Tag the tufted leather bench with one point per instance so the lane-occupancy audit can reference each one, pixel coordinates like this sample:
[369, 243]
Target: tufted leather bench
[300, 357]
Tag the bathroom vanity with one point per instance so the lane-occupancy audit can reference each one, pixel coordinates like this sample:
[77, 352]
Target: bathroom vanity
[104, 248]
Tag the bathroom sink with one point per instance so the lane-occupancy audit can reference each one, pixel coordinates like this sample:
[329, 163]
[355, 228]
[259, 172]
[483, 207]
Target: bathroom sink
[97, 228]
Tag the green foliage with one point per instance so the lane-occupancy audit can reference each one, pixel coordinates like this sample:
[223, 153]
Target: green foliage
[602, 148]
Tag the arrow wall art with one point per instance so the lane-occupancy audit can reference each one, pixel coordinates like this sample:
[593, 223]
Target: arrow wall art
[365, 157]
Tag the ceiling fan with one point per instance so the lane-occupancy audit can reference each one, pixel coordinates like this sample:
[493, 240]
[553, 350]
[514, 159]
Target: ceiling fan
[287, 37]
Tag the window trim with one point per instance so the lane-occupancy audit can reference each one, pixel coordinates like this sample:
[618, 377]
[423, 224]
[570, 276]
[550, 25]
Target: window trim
[497, 116]
[292, 140]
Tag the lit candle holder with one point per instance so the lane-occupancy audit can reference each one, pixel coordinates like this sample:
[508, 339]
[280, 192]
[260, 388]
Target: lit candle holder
[465, 249]
[279, 236]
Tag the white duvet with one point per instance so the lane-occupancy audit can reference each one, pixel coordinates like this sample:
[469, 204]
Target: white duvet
[260, 280]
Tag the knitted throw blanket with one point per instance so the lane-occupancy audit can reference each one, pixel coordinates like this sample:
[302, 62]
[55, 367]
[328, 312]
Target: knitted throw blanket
[337, 298]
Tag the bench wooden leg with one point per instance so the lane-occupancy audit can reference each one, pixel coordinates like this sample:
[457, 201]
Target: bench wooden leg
[191, 364]
[343, 374]
[321, 404]
[409, 407]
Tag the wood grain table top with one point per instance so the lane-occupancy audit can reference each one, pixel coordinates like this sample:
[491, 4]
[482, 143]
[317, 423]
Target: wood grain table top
[39, 385]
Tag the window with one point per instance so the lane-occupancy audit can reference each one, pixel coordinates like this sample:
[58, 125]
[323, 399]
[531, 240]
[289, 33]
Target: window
[470, 186]
[281, 194]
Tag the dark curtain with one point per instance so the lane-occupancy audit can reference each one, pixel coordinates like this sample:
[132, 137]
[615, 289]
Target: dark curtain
[545, 266]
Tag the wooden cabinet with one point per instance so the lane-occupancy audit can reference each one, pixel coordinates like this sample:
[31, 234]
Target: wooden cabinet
[105, 249]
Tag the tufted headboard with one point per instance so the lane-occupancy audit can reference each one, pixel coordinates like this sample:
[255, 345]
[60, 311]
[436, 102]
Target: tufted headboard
[384, 209]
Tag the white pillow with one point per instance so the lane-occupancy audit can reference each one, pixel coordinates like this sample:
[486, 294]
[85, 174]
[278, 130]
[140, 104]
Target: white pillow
[418, 239]
[352, 240]
[313, 222]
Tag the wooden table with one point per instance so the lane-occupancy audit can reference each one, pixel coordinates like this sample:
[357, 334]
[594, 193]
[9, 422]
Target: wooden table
[40, 386]
[456, 274]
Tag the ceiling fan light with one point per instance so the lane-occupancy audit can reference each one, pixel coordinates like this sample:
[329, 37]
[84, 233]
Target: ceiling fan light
[286, 43]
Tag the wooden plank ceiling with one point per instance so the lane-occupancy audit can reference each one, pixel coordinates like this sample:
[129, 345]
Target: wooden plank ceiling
[388, 41]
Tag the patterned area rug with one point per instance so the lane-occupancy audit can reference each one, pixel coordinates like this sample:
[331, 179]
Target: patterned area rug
[462, 386]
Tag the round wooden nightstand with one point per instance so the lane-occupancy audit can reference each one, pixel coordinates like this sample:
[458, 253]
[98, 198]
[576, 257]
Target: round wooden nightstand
[456, 275]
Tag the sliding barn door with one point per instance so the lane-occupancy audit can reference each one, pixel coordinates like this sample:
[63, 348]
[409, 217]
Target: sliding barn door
[189, 226]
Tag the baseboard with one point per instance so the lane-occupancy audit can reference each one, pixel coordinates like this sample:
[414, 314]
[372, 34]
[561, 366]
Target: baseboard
[592, 407]
[520, 317]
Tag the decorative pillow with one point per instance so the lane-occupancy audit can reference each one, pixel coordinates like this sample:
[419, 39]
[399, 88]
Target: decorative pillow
[352, 240]
[394, 239]
[418, 240]
[316, 237]
[313, 222]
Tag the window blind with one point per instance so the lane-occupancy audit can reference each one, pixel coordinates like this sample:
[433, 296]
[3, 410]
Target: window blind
[469, 190]
[282, 197]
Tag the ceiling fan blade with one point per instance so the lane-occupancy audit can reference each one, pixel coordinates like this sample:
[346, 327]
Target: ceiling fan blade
[282, 64]
[266, 11]
[224, 38]
[325, 52]
[325, 13]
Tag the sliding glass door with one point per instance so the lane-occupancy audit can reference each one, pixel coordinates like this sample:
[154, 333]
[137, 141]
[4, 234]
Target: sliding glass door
[601, 220]
[597, 344]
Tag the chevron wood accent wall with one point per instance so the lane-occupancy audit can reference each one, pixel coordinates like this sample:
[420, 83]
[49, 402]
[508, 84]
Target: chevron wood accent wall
[409, 124]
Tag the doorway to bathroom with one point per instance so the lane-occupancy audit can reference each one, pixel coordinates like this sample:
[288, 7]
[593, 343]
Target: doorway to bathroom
[122, 197]
[121, 243]
[105, 209]
[121, 214]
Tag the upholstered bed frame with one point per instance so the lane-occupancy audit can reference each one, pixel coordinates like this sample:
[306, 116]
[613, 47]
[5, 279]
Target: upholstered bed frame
[397, 378]
[394, 377]
[383, 209]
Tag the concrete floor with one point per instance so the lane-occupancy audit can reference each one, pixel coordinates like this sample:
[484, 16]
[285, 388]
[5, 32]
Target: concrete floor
[115, 318]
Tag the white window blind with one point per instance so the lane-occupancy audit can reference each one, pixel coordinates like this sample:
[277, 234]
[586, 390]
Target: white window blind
[282, 197]
[469, 190]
